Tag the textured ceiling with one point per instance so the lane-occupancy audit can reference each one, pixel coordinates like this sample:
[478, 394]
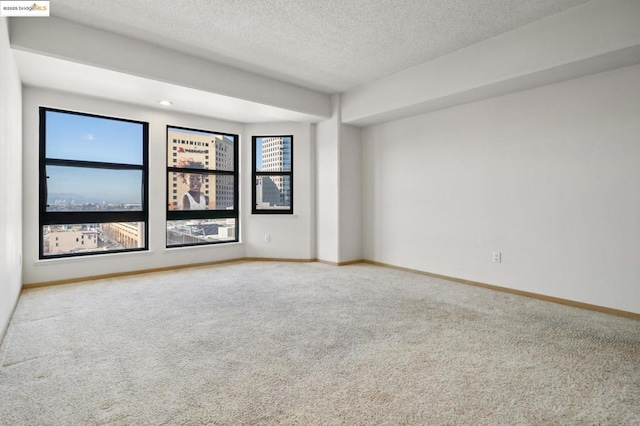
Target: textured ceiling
[326, 45]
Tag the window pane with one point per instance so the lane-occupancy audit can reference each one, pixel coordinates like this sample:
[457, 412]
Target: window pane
[273, 192]
[273, 154]
[87, 138]
[199, 150]
[194, 191]
[200, 231]
[87, 189]
[92, 237]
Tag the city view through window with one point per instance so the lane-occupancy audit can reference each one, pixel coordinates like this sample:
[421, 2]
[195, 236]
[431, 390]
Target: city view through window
[94, 189]
[273, 174]
[94, 184]
[92, 237]
[201, 187]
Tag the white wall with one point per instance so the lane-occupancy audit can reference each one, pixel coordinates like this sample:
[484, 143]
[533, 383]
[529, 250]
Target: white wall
[350, 181]
[292, 236]
[10, 180]
[339, 189]
[327, 191]
[547, 176]
[158, 256]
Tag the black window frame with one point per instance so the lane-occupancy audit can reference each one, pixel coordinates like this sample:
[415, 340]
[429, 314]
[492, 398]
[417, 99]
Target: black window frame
[255, 174]
[82, 217]
[204, 214]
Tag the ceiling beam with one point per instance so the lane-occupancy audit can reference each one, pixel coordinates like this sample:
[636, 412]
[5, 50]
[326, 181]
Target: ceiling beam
[595, 37]
[63, 39]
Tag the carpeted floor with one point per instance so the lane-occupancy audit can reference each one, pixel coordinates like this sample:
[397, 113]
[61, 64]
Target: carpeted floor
[306, 343]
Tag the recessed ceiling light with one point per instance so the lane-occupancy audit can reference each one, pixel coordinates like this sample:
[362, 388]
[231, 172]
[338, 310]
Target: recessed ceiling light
[165, 103]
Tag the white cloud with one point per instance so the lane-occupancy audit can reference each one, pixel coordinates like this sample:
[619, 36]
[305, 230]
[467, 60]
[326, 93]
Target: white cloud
[88, 137]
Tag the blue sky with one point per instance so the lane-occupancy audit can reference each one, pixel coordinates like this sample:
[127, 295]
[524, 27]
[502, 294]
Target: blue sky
[259, 154]
[95, 185]
[79, 137]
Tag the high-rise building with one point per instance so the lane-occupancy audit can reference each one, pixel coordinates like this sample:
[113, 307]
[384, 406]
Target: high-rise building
[201, 151]
[276, 157]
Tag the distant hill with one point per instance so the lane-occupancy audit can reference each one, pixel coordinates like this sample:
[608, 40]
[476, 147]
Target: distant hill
[52, 196]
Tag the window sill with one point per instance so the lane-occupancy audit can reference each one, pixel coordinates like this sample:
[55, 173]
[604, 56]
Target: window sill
[281, 214]
[45, 262]
[169, 250]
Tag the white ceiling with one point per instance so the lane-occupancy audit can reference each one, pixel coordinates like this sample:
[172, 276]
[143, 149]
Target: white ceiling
[325, 45]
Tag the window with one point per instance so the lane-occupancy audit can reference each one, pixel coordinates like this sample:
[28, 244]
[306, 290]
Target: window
[272, 191]
[93, 184]
[202, 202]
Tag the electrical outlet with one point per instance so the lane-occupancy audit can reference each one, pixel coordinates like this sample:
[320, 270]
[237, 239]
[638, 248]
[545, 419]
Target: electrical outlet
[497, 257]
[267, 238]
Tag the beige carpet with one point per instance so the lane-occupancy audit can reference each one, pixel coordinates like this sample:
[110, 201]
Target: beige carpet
[307, 343]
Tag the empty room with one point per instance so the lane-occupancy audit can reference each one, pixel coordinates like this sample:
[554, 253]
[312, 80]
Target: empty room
[333, 212]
